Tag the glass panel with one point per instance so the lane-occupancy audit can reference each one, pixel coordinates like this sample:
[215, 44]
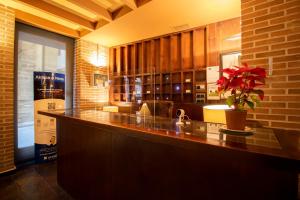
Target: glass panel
[34, 54]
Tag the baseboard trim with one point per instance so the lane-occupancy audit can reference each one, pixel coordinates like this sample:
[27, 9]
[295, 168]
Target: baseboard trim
[8, 171]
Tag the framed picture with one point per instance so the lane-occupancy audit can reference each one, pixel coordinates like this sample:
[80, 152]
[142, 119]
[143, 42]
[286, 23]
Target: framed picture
[212, 91]
[231, 59]
[100, 80]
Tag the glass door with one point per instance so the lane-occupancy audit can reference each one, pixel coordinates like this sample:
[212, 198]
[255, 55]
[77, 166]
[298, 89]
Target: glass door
[37, 50]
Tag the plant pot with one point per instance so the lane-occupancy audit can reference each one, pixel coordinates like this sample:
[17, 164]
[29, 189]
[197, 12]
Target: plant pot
[236, 119]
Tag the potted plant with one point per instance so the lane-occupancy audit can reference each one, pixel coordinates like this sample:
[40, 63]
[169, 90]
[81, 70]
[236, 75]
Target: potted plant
[240, 83]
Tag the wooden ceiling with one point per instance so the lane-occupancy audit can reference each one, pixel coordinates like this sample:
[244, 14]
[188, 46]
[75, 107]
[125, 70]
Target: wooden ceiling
[74, 18]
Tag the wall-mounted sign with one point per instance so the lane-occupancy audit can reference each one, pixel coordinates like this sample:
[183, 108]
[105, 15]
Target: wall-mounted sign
[212, 74]
[100, 80]
[49, 94]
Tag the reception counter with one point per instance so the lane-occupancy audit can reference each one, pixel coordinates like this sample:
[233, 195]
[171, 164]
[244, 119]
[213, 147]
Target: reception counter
[103, 155]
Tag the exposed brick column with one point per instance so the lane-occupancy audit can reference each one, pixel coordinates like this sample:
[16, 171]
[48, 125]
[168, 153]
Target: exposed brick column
[7, 32]
[85, 94]
[271, 35]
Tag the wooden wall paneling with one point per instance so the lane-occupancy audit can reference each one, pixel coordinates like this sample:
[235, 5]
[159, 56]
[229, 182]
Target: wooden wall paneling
[165, 54]
[169, 56]
[152, 56]
[115, 67]
[118, 60]
[147, 57]
[213, 45]
[175, 52]
[157, 55]
[227, 29]
[199, 48]
[155, 52]
[111, 60]
[124, 60]
[139, 58]
[187, 50]
[130, 59]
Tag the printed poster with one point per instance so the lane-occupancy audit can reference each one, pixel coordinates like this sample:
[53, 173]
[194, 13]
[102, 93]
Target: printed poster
[212, 75]
[49, 94]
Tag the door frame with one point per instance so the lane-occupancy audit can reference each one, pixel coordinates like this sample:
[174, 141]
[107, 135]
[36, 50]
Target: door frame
[27, 154]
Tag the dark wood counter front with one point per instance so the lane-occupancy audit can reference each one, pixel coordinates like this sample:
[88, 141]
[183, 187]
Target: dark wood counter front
[105, 155]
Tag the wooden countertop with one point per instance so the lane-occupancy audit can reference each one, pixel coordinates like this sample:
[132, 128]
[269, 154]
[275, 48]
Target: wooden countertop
[265, 141]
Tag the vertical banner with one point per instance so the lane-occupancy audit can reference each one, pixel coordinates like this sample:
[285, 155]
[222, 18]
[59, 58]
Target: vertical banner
[49, 94]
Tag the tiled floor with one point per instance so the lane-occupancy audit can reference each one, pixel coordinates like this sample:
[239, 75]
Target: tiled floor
[34, 182]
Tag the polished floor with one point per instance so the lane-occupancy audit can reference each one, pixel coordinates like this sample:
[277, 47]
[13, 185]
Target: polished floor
[33, 182]
[37, 182]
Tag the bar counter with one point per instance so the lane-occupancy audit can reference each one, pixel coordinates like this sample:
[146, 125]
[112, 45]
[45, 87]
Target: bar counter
[104, 155]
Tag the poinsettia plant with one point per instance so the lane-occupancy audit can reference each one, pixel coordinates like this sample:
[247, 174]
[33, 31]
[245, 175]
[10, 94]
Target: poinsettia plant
[241, 83]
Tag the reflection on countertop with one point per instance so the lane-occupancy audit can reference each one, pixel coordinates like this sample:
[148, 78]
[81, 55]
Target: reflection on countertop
[276, 142]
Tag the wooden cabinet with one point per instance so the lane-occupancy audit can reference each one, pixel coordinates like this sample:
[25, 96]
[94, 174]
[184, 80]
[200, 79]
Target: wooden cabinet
[161, 68]
[173, 66]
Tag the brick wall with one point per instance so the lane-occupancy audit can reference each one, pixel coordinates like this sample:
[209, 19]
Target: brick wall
[271, 38]
[7, 26]
[85, 94]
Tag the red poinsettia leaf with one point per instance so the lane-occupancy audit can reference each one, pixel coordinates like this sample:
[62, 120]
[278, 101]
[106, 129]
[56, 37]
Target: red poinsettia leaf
[223, 81]
[252, 84]
[236, 83]
[256, 78]
[243, 85]
[243, 80]
[259, 71]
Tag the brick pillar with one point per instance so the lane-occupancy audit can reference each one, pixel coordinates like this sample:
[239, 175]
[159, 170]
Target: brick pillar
[7, 32]
[85, 93]
[271, 38]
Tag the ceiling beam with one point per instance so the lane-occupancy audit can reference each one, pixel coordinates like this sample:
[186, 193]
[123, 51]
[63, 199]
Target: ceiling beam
[121, 12]
[101, 23]
[45, 24]
[139, 3]
[83, 33]
[59, 12]
[94, 8]
[130, 3]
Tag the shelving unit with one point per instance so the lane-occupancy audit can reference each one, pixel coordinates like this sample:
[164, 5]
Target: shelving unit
[163, 68]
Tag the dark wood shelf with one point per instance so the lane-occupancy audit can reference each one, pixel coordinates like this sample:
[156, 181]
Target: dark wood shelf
[165, 62]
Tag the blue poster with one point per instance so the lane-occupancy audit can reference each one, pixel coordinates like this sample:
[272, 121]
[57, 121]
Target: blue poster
[49, 94]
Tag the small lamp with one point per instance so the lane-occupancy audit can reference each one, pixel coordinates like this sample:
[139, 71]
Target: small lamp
[215, 113]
